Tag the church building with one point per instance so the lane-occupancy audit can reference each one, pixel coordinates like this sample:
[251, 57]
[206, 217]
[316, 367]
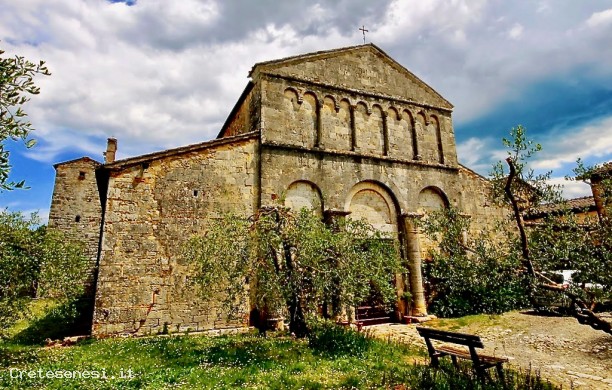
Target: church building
[348, 133]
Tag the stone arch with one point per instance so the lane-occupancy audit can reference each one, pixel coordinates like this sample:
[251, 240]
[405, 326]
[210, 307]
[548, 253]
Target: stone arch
[377, 106]
[436, 124]
[333, 102]
[423, 136]
[308, 119]
[409, 128]
[335, 124]
[375, 132]
[304, 194]
[290, 115]
[432, 198]
[292, 97]
[360, 123]
[374, 203]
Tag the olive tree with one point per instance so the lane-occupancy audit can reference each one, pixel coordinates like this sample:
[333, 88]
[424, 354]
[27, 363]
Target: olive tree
[471, 275]
[36, 261]
[16, 86]
[294, 264]
[562, 240]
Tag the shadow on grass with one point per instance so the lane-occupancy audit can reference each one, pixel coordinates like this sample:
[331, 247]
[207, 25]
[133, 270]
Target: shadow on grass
[543, 313]
[255, 351]
[71, 318]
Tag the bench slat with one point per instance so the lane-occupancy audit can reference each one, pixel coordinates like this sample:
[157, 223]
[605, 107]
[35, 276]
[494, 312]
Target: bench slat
[451, 337]
[461, 353]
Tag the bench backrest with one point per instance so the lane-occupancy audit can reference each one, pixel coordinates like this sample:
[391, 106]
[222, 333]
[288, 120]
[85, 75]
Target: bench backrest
[470, 340]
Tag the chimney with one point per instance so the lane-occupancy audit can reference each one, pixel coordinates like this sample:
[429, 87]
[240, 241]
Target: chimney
[111, 149]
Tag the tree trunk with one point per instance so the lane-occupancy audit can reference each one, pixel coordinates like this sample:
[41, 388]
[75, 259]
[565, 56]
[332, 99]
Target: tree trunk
[518, 218]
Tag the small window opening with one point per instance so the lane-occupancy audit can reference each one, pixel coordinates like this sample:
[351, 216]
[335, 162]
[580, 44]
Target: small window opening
[195, 192]
[77, 218]
[81, 175]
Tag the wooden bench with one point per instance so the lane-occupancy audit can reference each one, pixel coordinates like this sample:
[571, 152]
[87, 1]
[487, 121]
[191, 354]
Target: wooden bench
[480, 362]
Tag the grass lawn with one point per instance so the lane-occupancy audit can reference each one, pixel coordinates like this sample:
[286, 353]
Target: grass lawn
[334, 358]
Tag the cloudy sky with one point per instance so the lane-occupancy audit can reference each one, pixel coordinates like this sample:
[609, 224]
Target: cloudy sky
[157, 74]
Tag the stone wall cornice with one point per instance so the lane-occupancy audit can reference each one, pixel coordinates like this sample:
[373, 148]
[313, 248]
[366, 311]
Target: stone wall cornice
[355, 155]
[352, 91]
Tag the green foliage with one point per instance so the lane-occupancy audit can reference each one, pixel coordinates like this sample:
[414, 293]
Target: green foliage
[478, 276]
[16, 84]
[532, 188]
[328, 338]
[35, 260]
[244, 361]
[61, 318]
[293, 263]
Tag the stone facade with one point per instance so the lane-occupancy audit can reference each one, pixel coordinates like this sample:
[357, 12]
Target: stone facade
[343, 132]
[76, 209]
[152, 206]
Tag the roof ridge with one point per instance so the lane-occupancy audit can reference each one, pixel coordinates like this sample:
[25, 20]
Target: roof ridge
[75, 160]
[179, 150]
[306, 55]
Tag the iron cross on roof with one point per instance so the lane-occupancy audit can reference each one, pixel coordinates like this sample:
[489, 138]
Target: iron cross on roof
[363, 30]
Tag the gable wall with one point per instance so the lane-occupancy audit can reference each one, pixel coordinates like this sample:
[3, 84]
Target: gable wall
[364, 68]
[151, 211]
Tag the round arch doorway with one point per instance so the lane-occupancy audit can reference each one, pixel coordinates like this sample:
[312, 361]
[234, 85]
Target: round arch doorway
[376, 204]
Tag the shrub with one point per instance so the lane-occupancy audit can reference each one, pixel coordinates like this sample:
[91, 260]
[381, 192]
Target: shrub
[333, 340]
[479, 276]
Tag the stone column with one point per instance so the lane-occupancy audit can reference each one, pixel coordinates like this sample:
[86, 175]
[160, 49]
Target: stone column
[318, 124]
[353, 129]
[385, 134]
[413, 253]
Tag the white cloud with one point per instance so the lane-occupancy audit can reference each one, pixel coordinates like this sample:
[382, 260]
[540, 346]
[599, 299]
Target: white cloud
[480, 154]
[516, 31]
[570, 188]
[593, 141]
[42, 214]
[600, 18]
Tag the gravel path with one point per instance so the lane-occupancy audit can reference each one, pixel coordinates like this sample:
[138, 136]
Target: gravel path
[565, 352]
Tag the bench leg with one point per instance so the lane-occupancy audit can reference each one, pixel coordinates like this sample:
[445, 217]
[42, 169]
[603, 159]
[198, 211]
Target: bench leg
[500, 374]
[435, 362]
[454, 359]
[480, 373]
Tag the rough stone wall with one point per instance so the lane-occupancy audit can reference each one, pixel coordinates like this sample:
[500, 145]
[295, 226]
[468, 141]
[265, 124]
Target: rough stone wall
[152, 208]
[241, 121]
[473, 192]
[75, 207]
[336, 174]
[363, 68]
[320, 116]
